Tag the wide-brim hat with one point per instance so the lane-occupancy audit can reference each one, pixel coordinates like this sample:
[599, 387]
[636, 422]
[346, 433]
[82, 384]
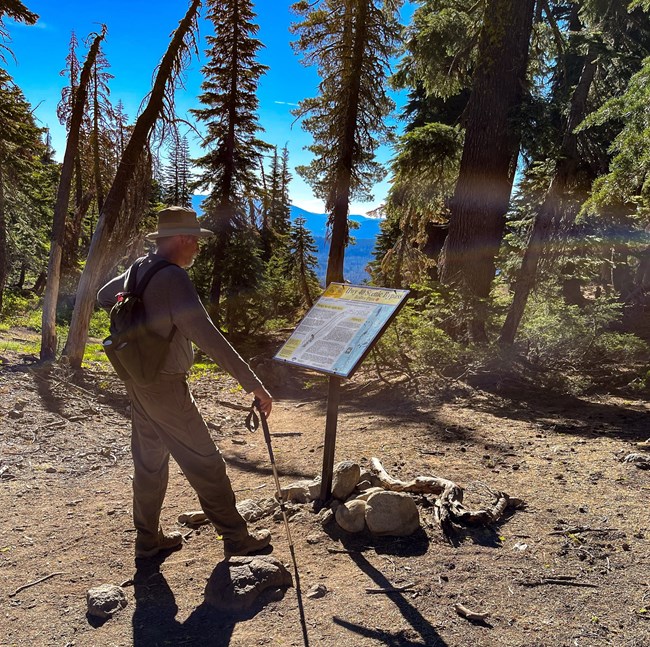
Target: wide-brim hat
[178, 221]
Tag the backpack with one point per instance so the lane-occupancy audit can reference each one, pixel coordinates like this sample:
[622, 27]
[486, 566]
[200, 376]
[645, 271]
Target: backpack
[136, 353]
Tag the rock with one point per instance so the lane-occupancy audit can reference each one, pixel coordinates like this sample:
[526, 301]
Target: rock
[195, 518]
[317, 591]
[344, 479]
[314, 539]
[325, 516]
[268, 506]
[366, 494]
[291, 511]
[250, 510]
[351, 516]
[364, 485]
[236, 583]
[105, 601]
[14, 414]
[298, 492]
[392, 513]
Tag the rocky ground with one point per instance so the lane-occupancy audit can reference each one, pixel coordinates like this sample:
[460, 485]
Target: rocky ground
[571, 569]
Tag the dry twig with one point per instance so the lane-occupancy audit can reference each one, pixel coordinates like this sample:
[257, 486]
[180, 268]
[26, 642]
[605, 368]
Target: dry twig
[26, 586]
[393, 589]
[474, 616]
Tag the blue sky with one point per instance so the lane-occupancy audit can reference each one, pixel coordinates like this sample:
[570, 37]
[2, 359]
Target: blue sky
[138, 34]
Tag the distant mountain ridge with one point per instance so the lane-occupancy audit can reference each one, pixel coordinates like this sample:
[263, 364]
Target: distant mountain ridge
[357, 256]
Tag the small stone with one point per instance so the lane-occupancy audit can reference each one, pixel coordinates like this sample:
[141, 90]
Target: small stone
[250, 510]
[14, 414]
[351, 516]
[344, 479]
[317, 591]
[298, 492]
[314, 539]
[105, 601]
[365, 495]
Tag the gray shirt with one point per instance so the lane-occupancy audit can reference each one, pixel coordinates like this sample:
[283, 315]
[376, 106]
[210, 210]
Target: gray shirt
[171, 299]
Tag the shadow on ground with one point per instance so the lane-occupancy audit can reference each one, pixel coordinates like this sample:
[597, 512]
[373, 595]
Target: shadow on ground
[154, 619]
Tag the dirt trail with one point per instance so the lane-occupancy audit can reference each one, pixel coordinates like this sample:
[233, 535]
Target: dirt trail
[65, 494]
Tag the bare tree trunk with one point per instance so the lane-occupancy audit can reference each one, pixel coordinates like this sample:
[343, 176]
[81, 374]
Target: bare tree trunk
[552, 205]
[340, 197]
[3, 240]
[48, 330]
[70, 258]
[492, 139]
[304, 284]
[99, 189]
[88, 283]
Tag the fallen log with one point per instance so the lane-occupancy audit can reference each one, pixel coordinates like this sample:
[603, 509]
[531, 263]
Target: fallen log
[448, 508]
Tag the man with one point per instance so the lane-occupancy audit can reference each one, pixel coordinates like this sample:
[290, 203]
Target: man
[165, 418]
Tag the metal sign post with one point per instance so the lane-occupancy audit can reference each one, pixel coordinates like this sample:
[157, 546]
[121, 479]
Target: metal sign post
[333, 396]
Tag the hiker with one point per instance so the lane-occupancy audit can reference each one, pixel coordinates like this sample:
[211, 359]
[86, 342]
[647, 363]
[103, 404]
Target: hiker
[165, 418]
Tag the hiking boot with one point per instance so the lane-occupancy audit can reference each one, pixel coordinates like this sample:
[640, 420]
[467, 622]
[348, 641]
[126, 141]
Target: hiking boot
[165, 541]
[250, 545]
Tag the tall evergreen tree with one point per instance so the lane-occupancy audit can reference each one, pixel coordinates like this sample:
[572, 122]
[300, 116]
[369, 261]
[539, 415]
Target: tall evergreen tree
[17, 11]
[277, 212]
[20, 148]
[301, 261]
[177, 176]
[487, 167]
[231, 139]
[351, 42]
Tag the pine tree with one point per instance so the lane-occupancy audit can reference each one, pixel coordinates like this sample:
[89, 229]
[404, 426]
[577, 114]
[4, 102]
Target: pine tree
[231, 139]
[177, 176]
[301, 261]
[276, 220]
[351, 42]
[20, 148]
[17, 11]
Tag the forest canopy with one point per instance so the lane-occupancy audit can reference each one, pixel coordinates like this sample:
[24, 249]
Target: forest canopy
[519, 201]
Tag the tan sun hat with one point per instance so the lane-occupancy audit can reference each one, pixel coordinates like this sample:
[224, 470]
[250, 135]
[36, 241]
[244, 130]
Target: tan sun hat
[178, 221]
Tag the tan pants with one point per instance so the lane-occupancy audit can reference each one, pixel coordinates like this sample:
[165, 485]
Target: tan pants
[166, 421]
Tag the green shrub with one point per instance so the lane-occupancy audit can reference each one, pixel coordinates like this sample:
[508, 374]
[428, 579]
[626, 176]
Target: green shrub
[99, 324]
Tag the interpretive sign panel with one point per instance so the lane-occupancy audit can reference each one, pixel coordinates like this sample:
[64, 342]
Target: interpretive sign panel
[340, 329]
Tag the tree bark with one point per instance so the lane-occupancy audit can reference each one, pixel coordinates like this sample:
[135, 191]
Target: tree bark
[3, 240]
[492, 139]
[88, 283]
[340, 200]
[48, 329]
[552, 205]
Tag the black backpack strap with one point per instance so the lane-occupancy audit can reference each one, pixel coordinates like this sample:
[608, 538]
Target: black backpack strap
[139, 290]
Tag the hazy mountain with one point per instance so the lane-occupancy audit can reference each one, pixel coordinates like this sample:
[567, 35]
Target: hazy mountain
[357, 256]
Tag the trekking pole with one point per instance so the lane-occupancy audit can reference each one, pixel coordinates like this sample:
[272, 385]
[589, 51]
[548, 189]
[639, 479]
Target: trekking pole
[252, 423]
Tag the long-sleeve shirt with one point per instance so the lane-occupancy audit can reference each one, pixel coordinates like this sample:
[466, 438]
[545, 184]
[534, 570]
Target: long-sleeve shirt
[170, 300]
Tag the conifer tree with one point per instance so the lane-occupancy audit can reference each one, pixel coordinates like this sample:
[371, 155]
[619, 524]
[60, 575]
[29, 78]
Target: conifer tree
[20, 148]
[301, 261]
[351, 42]
[276, 220]
[231, 141]
[17, 11]
[177, 176]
